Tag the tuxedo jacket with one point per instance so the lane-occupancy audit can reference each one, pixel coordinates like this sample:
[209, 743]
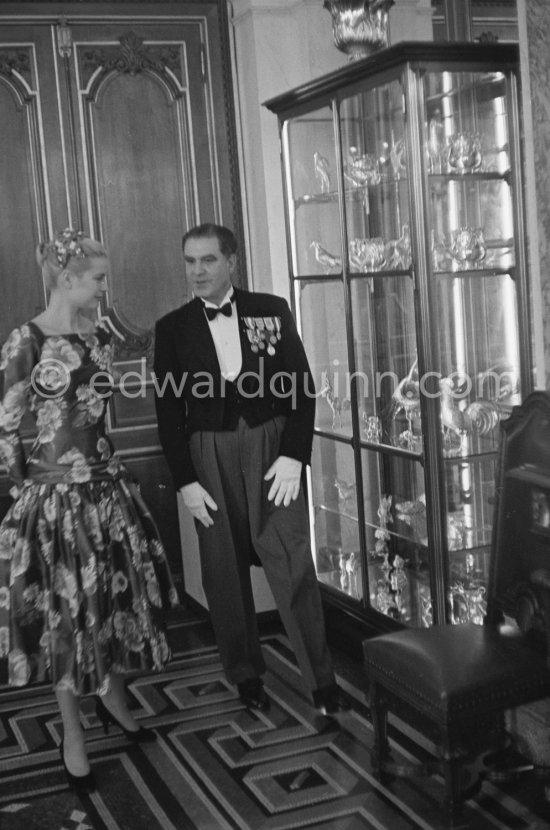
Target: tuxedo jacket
[191, 394]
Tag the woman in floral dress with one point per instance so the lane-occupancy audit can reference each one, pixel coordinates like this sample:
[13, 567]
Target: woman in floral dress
[83, 573]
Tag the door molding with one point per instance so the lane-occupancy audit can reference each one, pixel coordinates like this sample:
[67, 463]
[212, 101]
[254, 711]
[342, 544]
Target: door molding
[215, 13]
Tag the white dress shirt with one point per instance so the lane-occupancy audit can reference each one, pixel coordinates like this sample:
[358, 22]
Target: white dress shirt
[225, 333]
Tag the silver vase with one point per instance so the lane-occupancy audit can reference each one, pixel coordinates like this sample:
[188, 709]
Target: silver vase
[359, 27]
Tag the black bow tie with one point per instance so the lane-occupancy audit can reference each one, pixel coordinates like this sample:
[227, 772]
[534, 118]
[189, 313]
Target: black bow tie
[226, 309]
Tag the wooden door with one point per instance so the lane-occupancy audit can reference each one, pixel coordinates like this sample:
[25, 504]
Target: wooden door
[116, 119]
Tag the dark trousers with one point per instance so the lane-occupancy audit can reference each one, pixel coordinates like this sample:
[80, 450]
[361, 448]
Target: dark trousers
[230, 466]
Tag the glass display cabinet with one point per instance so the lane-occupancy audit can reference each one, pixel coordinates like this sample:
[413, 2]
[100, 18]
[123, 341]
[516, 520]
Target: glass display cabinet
[406, 241]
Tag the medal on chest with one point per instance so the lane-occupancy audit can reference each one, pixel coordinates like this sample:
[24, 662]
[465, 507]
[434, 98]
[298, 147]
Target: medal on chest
[263, 333]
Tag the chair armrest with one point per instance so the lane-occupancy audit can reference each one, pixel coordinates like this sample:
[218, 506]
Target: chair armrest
[540, 579]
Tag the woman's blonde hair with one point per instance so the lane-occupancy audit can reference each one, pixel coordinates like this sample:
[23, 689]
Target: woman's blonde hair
[69, 250]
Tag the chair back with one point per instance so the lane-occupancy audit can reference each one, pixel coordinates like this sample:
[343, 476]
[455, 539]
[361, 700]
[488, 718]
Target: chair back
[519, 581]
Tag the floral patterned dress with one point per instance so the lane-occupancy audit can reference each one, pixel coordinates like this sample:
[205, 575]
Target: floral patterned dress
[84, 577]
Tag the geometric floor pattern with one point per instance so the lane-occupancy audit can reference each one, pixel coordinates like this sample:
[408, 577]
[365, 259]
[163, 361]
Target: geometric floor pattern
[217, 766]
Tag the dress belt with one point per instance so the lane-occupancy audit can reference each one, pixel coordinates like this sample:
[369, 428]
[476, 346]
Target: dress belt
[41, 472]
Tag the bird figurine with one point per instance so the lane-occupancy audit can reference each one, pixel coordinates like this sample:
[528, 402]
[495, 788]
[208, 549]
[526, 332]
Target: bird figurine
[413, 513]
[400, 256]
[326, 260]
[346, 491]
[322, 175]
[452, 417]
[351, 563]
[334, 401]
[406, 397]
[479, 417]
[397, 158]
[358, 253]
[382, 534]
[441, 258]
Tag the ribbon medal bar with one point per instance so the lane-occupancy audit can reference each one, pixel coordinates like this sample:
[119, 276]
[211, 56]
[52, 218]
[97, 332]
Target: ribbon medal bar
[263, 333]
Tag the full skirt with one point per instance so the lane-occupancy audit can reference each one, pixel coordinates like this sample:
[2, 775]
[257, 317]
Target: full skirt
[84, 581]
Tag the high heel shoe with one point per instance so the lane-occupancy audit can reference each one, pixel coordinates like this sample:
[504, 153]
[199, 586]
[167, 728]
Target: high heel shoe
[137, 736]
[82, 784]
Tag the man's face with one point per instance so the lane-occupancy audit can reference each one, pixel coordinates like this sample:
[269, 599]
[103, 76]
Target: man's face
[208, 270]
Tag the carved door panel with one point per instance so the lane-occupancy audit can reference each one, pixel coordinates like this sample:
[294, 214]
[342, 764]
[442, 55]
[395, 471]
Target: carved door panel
[112, 125]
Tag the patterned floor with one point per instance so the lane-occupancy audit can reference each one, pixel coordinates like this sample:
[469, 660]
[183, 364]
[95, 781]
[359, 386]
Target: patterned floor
[217, 766]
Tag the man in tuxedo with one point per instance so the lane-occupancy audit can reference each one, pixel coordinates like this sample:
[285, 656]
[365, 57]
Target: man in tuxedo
[235, 405]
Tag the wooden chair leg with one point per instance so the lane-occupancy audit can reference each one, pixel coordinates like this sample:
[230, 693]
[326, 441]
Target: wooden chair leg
[462, 780]
[381, 749]
[453, 789]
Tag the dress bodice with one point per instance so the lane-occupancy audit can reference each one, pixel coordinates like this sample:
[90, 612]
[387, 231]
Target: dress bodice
[64, 381]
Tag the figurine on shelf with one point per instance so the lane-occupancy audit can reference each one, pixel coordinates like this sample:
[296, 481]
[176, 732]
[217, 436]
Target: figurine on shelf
[406, 398]
[372, 427]
[468, 248]
[328, 262]
[400, 250]
[407, 393]
[499, 382]
[484, 416]
[467, 604]
[399, 582]
[375, 253]
[322, 175]
[399, 577]
[398, 158]
[385, 600]
[382, 534]
[346, 491]
[336, 403]
[427, 611]
[480, 417]
[435, 144]
[362, 168]
[458, 605]
[441, 258]
[456, 532]
[413, 513]
[352, 563]
[540, 511]
[349, 571]
[358, 253]
[452, 417]
[342, 569]
[464, 152]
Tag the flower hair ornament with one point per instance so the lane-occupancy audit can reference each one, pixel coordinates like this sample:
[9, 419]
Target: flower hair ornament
[66, 245]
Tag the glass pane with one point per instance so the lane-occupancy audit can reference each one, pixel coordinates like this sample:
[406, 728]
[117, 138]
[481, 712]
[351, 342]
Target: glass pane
[471, 225]
[396, 530]
[470, 496]
[312, 184]
[334, 500]
[375, 176]
[467, 126]
[323, 327]
[468, 161]
[478, 347]
[385, 355]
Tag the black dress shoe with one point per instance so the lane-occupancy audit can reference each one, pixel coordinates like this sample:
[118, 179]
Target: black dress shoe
[329, 700]
[253, 695]
[81, 784]
[140, 735]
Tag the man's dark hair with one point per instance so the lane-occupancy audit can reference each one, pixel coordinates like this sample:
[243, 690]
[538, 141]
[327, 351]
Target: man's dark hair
[226, 238]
